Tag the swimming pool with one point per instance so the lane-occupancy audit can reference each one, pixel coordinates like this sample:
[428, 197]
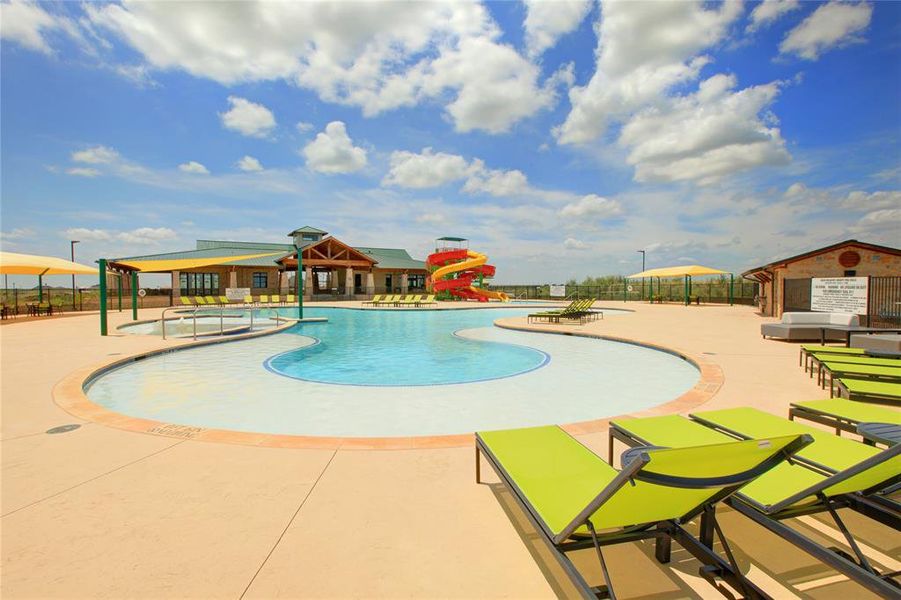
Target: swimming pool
[375, 373]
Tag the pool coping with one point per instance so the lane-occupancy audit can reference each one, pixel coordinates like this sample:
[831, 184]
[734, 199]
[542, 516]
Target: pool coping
[69, 394]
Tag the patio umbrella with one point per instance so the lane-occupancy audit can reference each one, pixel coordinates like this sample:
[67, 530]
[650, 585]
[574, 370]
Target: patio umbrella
[12, 263]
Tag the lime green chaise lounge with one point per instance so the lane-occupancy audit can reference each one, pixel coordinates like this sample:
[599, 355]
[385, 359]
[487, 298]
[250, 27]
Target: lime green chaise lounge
[884, 392]
[841, 414]
[790, 490]
[576, 501]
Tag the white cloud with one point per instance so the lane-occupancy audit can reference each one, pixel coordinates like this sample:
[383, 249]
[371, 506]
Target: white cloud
[548, 20]
[770, 10]
[18, 233]
[249, 164]
[303, 126]
[333, 151]
[95, 155]
[248, 118]
[377, 56]
[425, 170]
[82, 172]
[592, 206]
[574, 244]
[193, 167]
[88, 235]
[885, 221]
[496, 182]
[858, 200]
[832, 25]
[644, 50]
[146, 235]
[28, 24]
[706, 135]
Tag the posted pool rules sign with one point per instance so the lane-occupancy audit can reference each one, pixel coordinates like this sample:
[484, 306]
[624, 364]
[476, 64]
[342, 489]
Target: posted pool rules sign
[839, 294]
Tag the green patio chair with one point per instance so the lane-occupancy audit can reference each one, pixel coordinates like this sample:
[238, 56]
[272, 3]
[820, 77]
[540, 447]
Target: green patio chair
[808, 349]
[841, 414]
[185, 301]
[290, 299]
[264, 298]
[836, 370]
[410, 300]
[429, 300]
[577, 501]
[198, 300]
[550, 315]
[883, 392]
[210, 300]
[789, 490]
[375, 300]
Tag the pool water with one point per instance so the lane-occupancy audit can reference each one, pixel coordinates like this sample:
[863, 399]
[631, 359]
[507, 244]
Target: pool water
[396, 348]
[384, 373]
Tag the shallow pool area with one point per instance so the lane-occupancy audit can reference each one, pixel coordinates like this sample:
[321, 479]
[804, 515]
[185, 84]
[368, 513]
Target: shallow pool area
[383, 373]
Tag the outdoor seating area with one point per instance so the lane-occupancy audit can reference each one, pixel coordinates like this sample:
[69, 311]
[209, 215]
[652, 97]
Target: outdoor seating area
[578, 310]
[845, 366]
[400, 300]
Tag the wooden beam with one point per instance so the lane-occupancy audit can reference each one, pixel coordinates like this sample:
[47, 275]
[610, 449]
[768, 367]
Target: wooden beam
[319, 262]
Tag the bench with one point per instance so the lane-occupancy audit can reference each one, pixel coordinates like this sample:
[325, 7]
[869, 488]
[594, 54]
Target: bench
[808, 325]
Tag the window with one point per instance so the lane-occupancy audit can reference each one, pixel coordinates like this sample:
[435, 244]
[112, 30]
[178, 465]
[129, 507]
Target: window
[851, 273]
[309, 237]
[388, 283]
[199, 284]
[416, 282]
[260, 280]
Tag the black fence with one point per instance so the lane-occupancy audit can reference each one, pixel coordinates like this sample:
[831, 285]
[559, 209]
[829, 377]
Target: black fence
[712, 292]
[883, 299]
[17, 300]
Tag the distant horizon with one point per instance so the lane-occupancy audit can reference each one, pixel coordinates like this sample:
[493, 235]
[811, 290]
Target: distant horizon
[553, 137]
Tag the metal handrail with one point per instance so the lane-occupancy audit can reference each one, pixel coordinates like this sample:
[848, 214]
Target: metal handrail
[521, 295]
[221, 308]
[576, 294]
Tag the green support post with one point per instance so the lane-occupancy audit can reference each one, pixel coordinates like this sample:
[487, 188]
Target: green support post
[134, 295]
[119, 292]
[102, 263]
[40, 288]
[299, 281]
[731, 289]
[624, 289]
[685, 287]
[651, 289]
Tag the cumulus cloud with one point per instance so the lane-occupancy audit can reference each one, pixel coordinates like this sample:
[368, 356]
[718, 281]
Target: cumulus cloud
[18, 233]
[333, 151]
[706, 135]
[832, 25]
[574, 244]
[592, 206]
[425, 170]
[28, 24]
[859, 200]
[82, 172]
[303, 126]
[644, 50]
[88, 235]
[496, 182]
[770, 10]
[249, 164]
[141, 235]
[193, 167]
[95, 155]
[248, 118]
[549, 20]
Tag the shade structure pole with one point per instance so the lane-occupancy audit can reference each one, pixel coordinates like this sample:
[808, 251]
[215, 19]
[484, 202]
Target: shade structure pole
[685, 286]
[40, 288]
[134, 295]
[731, 289]
[299, 283]
[119, 291]
[102, 268]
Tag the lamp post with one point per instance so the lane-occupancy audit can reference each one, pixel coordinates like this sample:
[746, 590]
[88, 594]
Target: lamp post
[72, 254]
[642, 270]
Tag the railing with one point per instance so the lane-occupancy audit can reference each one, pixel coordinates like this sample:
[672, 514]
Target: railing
[194, 318]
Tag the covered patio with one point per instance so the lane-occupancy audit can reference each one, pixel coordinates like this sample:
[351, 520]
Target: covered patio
[687, 272]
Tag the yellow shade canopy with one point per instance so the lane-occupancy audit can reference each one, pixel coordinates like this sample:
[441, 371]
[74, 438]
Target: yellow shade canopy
[12, 263]
[179, 264]
[680, 271]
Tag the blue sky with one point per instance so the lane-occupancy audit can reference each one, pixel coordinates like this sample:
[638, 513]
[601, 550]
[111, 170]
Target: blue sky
[560, 137]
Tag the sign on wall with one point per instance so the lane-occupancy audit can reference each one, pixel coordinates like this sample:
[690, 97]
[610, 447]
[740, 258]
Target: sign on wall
[839, 294]
[557, 290]
[237, 294]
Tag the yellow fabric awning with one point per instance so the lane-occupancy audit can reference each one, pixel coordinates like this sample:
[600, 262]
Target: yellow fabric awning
[179, 264]
[12, 263]
[680, 271]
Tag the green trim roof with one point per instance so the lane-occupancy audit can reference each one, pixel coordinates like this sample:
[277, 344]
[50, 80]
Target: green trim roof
[262, 246]
[308, 229]
[392, 258]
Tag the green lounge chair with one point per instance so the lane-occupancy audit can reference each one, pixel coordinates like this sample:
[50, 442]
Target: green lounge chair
[210, 300]
[570, 494]
[224, 300]
[551, 315]
[275, 299]
[429, 300]
[290, 299]
[841, 414]
[404, 300]
[788, 490]
[199, 301]
[186, 301]
[817, 359]
[410, 300]
[883, 392]
[264, 298]
[837, 370]
[375, 300]
[808, 349]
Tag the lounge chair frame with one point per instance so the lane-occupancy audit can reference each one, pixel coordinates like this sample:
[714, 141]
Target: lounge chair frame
[663, 532]
[879, 509]
[837, 422]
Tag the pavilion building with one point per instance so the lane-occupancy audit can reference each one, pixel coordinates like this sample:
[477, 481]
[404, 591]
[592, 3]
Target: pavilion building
[331, 268]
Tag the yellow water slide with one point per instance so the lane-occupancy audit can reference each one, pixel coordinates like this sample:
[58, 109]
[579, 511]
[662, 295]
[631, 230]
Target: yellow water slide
[475, 260]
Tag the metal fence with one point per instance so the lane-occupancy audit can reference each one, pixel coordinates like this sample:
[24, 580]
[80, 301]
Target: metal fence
[715, 292]
[63, 300]
[883, 299]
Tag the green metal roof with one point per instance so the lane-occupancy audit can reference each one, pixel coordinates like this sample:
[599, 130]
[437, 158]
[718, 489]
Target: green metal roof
[261, 246]
[308, 229]
[452, 239]
[392, 258]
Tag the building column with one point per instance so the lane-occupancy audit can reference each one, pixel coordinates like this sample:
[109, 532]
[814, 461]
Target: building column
[233, 279]
[176, 286]
[370, 283]
[308, 282]
[404, 287]
[349, 282]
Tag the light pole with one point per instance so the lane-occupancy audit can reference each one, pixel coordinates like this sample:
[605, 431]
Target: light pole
[642, 270]
[72, 253]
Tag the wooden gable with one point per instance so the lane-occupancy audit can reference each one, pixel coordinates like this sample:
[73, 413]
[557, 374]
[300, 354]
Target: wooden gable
[330, 252]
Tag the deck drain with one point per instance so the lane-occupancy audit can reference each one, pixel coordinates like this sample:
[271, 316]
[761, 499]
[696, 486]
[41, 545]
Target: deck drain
[709, 353]
[64, 428]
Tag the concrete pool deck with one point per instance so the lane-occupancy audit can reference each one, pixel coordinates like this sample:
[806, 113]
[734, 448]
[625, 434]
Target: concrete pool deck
[103, 512]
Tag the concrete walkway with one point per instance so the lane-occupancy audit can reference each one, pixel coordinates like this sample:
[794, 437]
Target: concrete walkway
[100, 512]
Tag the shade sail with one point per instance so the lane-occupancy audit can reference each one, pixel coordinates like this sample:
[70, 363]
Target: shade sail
[12, 263]
[681, 271]
[179, 264]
